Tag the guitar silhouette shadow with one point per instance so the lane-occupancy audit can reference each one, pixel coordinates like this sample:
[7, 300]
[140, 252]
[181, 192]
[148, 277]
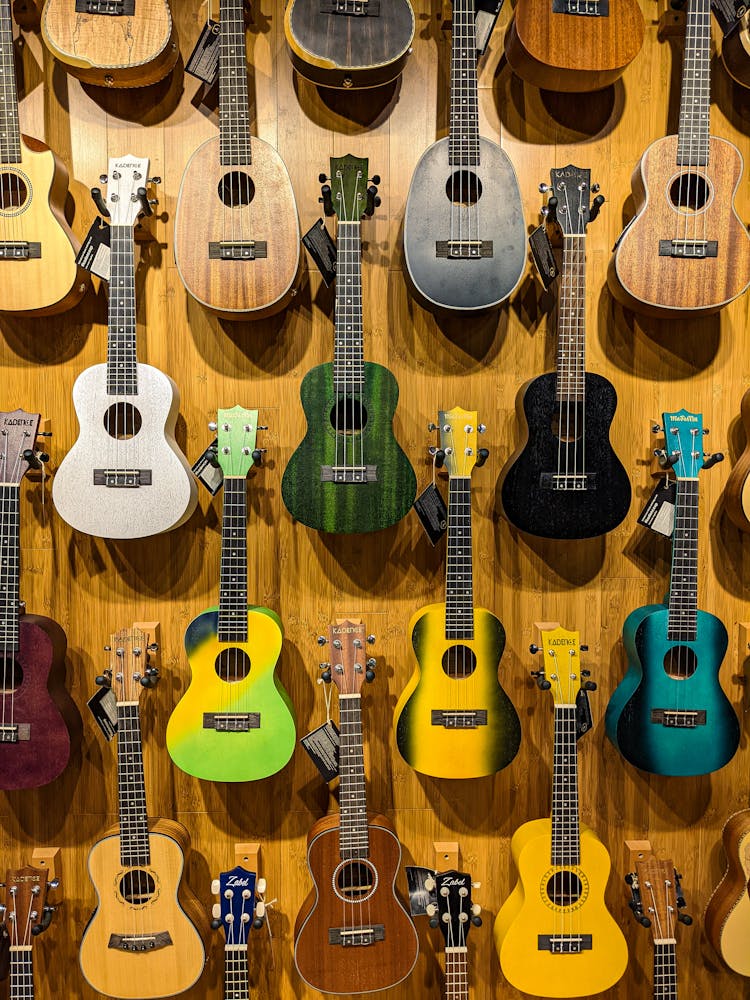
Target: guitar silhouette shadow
[347, 112]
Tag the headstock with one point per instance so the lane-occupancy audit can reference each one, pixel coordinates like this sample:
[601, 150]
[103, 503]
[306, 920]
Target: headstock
[561, 670]
[237, 431]
[569, 204]
[18, 434]
[349, 668]
[127, 194]
[657, 899]
[683, 450]
[451, 908]
[25, 910]
[458, 442]
[238, 908]
[129, 670]
[345, 193]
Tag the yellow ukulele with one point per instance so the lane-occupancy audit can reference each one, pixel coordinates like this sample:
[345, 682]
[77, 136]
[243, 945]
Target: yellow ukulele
[554, 934]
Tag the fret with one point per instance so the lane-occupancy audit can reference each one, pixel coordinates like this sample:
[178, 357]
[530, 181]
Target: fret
[10, 132]
[21, 973]
[683, 585]
[566, 845]
[459, 584]
[122, 361]
[233, 575]
[695, 96]
[234, 101]
[463, 142]
[354, 837]
[131, 789]
[10, 553]
[236, 977]
[571, 323]
[348, 354]
[456, 974]
[665, 970]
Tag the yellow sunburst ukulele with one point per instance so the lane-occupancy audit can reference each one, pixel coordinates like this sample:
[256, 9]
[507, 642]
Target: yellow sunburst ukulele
[453, 719]
[554, 934]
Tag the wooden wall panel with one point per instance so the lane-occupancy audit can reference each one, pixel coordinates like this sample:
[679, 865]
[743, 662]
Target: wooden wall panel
[93, 587]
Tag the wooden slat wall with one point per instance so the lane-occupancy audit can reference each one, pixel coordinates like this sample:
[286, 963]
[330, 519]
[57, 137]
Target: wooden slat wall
[92, 587]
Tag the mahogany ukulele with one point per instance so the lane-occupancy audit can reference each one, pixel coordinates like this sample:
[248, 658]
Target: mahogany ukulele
[25, 915]
[727, 916]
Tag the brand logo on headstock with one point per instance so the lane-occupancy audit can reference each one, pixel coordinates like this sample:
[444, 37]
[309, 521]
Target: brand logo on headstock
[561, 642]
[453, 882]
[236, 880]
[344, 630]
[26, 878]
[18, 422]
[689, 418]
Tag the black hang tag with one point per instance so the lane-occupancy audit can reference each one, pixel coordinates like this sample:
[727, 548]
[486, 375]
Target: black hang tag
[94, 253]
[431, 510]
[103, 705]
[322, 249]
[485, 18]
[419, 896]
[729, 13]
[658, 514]
[322, 746]
[207, 471]
[544, 258]
[203, 63]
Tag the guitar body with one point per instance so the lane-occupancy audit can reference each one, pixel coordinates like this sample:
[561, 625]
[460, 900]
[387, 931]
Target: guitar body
[235, 288]
[737, 490]
[459, 283]
[158, 972]
[642, 280]
[565, 514]
[233, 756]
[39, 759]
[125, 512]
[345, 508]
[530, 911]
[52, 282]
[441, 751]
[735, 52]
[647, 686]
[587, 53]
[727, 916]
[367, 968]
[112, 50]
[340, 50]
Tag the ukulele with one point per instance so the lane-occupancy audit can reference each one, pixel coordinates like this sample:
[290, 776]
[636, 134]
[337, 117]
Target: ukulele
[34, 738]
[349, 43]
[236, 235]
[686, 251]
[349, 474]
[565, 480]
[655, 886]
[727, 916]
[554, 934]
[25, 914]
[735, 51]
[737, 490]
[464, 230]
[241, 907]
[38, 250]
[354, 859]
[573, 45]
[125, 476]
[451, 909]
[669, 714]
[112, 43]
[140, 942]
[235, 722]
[453, 719]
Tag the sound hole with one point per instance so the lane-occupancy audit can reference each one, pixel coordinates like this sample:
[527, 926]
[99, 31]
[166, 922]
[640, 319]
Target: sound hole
[459, 661]
[12, 676]
[689, 192]
[463, 188]
[232, 664]
[236, 188]
[355, 881]
[680, 663]
[348, 415]
[567, 422]
[122, 421]
[137, 887]
[13, 192]
[564, 888]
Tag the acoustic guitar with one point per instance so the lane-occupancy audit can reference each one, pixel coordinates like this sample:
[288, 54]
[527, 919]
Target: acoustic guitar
[236, 235]
[236, 721]
[38, 271]
[737, 489]
[554, 934]
[669, 714]
[240, 909]
[565, 480]
[686, 251]
[453, 719]
[34, 738]
[25, 914]
[352, 934]
[112, 43]
[140, 942]
[451, 909]
[124, 477]
[349, 474]
[464, 232]
[727, 916]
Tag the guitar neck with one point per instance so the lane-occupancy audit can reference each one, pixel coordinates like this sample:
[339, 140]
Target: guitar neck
[665, 970]
[566, 841]
[21, 973]
[571, 323]
[695, 95]
[122, 362]
[463, 148]
[354, 837]
[683, 585]
[234, 101]
[10, 132]
[236, 977]
[459, 582]
[456, 974]
[233, 586]
[131, 789]
[348, 357]
[10, 554]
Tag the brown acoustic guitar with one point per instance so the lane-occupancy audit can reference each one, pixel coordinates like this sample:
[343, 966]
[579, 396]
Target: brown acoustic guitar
[573, 45]
[727, 917]
[112, 43]
[737, 490]
[352, 934]
[686, 251]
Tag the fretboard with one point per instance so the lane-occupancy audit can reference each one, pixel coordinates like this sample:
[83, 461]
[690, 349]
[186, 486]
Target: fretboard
[571, 323]
[21, 973]
[354, 839]
[122, 362]
[236, 979]
[463, 146]
[683, 584]
[459, 584]
[665, 970]
[456, 974]
[10, 554]
[695, 96]
[134, 843]
[10, 132]
[233, 586]
[348, 356]
[234, 102]
[566, 844]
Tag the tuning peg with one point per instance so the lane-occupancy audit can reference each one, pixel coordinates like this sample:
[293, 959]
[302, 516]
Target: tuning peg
[541, 681]
[685, 919]
[54, 883]
[429, 883]
[212, 425]
[589, 685]
[585, 649]
[47, 913]
[544, 188]
[154, 180]
[550, 210]
[369, 672]
[100, 203]
[375, 178]
[215, 886]
[534, 649]
[142, 196]
[258, 455]
[326, 675]
[596, 206]
[482, 455]
[713, 459]
[322, 178]
[481, 428]
[373, 201]
[666, 461]
[105, 679]
[371, 639]
[326, 199]
[439, 458]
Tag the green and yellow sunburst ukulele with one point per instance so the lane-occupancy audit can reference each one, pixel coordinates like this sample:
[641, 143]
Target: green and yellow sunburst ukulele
[235, 722]
[349, 473]
[453, 719]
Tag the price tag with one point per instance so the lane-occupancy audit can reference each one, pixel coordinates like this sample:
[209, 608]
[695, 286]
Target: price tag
[203, 63]
[658, 514]
[103, 707]
[322, 746]
[94, 253]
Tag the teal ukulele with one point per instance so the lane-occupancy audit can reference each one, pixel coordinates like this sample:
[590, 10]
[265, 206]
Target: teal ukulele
[669, 714]
[349, 473]
[235, 722]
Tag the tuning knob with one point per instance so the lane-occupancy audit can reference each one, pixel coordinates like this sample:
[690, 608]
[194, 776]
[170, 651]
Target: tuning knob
[482, 455]
[439, 458]
[322, 178]
[541, 681]
[685, 918]
[712, 460]
[429, 884]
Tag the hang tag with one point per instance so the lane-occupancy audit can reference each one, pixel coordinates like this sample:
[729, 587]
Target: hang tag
[544, 258]
[419, 897]
[431, 510]
[729, 13]
[103, 705]
[658, 514]
[206, 470]
[485, 18]
[322, 249]
[322, 746]
[94, 253]
[203, 63]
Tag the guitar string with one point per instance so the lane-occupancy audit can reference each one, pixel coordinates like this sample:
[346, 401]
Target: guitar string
[5, 534]
[11, 123]
[14, 556]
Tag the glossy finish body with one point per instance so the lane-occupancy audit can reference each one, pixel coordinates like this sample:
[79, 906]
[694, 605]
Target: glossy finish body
[737, 490]
[727, 917]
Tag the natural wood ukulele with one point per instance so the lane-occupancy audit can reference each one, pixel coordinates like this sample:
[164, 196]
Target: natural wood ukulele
[25, 914]
[727, 917]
